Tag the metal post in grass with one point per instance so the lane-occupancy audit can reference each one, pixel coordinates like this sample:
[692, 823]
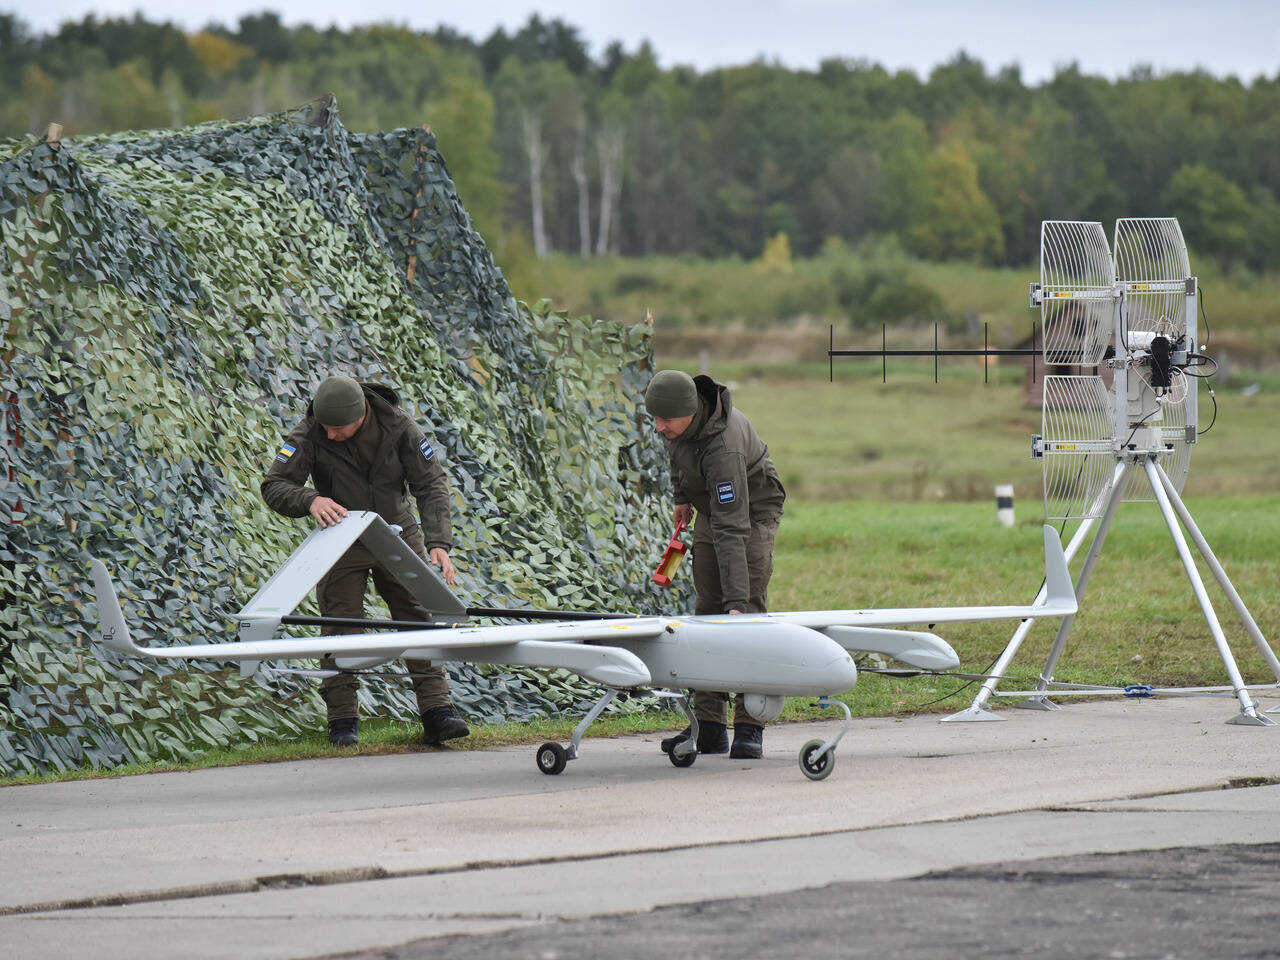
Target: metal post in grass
[1004, 504]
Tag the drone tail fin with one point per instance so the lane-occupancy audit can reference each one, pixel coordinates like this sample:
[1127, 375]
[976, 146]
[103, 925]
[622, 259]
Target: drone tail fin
[1060, 593]
[115, 632]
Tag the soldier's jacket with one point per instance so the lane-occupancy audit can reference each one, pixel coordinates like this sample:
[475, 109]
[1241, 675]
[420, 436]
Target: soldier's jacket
[379, 468]
[722, 467]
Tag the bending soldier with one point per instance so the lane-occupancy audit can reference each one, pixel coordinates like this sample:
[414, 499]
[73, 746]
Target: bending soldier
[362, 451]
[721, 470]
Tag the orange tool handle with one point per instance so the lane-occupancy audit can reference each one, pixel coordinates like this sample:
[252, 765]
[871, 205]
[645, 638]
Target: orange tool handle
[676, 549]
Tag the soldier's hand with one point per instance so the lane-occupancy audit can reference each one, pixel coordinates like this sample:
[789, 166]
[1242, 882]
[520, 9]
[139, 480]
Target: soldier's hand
[327, 512]
[440, 557]
[683, 513]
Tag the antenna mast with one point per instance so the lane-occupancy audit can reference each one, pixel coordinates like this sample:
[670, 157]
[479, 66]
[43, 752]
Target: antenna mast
[1124, 432]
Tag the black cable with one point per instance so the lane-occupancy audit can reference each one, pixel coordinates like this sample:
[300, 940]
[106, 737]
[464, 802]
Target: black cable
[962, 686]
[1215, 412]
[1124, 323]
[1204, 316]
[1140, 423]
[1201, 360]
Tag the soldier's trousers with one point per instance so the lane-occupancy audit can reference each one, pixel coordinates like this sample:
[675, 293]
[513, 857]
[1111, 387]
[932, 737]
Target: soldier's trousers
[340, 593]
[709, 705]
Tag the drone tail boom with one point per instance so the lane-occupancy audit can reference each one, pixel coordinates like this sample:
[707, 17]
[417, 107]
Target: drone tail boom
[918, 648]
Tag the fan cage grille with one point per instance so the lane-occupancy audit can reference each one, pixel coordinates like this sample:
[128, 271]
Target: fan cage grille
[1151, 260]
[1079, 455]
[1077, 292]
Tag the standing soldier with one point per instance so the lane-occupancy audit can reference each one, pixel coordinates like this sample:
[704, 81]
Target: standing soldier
[363, 452]
[721, 470]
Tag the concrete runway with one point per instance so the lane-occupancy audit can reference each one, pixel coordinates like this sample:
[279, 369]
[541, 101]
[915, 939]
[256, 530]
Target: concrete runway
[360, 854]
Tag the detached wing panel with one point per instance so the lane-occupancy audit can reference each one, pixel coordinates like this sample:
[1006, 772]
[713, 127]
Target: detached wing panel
[317, 554]
[313, 558]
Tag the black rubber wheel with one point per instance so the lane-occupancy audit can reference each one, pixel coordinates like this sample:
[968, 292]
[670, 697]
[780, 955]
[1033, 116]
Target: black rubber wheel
[551, 758]
[683, 758]
[813, 766]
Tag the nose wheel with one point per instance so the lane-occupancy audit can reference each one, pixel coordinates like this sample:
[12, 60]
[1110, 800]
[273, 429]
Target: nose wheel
[815, 763]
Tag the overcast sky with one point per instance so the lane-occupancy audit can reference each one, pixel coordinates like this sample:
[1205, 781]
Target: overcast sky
[1107, 37]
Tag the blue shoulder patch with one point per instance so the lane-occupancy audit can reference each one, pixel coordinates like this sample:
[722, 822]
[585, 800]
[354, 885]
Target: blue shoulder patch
[725, 492]
[425, 447]
[287, 451]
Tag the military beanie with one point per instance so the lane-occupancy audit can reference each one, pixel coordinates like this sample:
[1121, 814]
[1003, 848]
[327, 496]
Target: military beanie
[671, 394]
[339, 401]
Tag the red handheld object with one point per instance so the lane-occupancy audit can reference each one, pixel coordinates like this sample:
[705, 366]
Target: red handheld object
[675, 552]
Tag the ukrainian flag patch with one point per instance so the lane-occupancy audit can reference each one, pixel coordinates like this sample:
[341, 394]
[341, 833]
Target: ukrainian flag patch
[287, 451]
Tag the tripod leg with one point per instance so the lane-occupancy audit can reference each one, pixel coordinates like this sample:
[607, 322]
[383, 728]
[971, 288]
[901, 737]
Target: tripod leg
[1220, 574]
[1248, 710]
[1118, 479]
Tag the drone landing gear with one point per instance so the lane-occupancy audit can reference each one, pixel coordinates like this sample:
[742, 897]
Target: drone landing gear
[685, 751]
[552, 757]
[818, 757]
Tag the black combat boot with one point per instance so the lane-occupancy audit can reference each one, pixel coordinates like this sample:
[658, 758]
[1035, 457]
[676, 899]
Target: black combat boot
[712, 737]
[440, 724]
[344, 733]
[748, 742]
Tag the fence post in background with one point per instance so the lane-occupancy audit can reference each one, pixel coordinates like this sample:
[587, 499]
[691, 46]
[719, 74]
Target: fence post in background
[1004, 503]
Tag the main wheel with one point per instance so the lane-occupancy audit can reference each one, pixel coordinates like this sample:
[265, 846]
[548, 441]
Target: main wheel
[551, 758]
[684, 753]
[813, 766]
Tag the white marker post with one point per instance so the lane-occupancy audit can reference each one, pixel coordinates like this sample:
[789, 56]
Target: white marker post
[1004, 503]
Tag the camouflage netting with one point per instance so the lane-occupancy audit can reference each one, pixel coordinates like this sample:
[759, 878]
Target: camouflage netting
[169, 301]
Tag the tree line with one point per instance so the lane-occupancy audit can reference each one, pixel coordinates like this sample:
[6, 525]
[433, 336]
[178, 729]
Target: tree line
[614, 154]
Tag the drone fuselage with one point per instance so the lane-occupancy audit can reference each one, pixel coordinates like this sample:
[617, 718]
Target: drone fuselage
[726, 654]
[737, 654]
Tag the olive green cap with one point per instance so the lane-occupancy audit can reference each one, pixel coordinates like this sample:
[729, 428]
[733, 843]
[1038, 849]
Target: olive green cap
[339, 401]
[671, 394]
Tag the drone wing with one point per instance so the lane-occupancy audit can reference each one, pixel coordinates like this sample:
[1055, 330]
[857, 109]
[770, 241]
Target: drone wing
[552, 645]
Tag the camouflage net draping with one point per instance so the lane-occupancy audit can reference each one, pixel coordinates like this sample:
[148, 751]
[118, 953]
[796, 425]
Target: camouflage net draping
[168, 301]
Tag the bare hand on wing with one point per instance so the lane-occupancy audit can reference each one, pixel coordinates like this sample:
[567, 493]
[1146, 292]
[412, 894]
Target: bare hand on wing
[326, 511]
[440, 557]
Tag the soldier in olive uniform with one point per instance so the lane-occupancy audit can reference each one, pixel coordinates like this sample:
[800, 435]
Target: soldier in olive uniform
[720, 469]
[362, 451]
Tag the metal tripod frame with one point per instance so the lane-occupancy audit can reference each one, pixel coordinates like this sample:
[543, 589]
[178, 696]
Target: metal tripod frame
[1173, 509]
